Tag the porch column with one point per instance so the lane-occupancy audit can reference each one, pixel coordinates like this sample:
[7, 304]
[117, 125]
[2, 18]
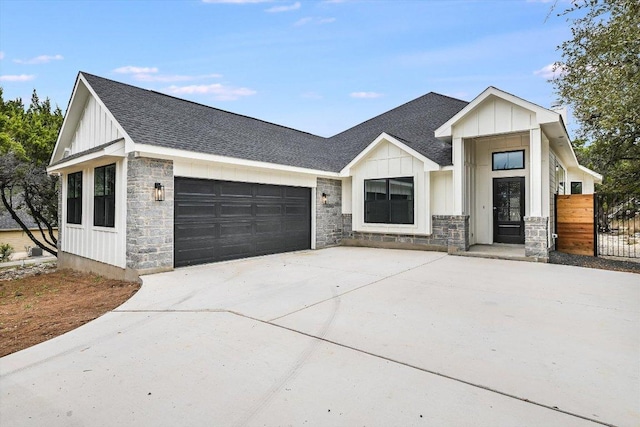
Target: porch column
[458, 176]
[535, 172]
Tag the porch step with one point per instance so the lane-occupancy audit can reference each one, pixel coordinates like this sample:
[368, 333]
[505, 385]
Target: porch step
[498, 251]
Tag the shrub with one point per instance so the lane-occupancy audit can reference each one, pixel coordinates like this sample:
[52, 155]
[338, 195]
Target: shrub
[5, 251]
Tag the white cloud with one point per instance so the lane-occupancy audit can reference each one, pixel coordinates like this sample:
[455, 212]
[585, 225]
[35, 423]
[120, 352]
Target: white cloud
[365, 95]
[276, 9]
[218, 90]
[237, 1]
[313, 20]
[42, 59]
[1, 55]
[551, 71]
[131, 69]
[17, 77]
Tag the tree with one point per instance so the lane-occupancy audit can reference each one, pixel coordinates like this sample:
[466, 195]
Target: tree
[27, 139]
[600, 80]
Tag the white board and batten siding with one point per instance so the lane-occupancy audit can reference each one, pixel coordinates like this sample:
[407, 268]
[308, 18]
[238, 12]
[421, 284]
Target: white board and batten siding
[390, 161]
[494, 116]
[103, 244]
[94, 128]
[219, 171]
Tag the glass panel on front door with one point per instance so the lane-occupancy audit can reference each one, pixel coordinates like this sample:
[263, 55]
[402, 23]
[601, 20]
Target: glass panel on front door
[508, 208]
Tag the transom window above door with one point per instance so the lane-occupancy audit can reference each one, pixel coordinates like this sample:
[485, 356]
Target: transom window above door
[388, 200]
[508, 160]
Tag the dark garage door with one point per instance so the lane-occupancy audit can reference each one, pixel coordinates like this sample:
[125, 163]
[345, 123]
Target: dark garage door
[222, 220]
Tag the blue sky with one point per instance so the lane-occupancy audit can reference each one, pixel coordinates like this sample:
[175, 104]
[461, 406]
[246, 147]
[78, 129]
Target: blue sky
[317, 66]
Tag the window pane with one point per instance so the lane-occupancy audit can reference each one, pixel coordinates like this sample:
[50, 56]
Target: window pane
[389, 201]
[508, 160]
[401, 188]
[375, 189]
[104, 196]
[401, 211]
[500, 161]
[576, 187]
[99, 182]
[376, 211]
[110, 180]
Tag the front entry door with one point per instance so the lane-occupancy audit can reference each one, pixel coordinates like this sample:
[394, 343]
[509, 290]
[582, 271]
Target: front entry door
[508, 210]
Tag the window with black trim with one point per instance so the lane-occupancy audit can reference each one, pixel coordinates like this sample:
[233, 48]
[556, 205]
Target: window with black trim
[104, 196]
[576, 187]
[388, 201]
[508, 160]
[74, 198]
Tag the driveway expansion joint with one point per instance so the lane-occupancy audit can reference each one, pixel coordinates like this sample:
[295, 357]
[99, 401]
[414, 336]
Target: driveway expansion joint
[428, 371]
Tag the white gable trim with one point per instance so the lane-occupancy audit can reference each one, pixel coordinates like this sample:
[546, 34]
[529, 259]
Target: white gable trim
[74, 114]
[543, 115]
[429, 165]
[596, 176]
[153, 151]
[115, 151]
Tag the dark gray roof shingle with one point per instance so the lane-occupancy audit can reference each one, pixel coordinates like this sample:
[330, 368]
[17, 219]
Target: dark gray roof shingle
[156, 119]
[414, 123]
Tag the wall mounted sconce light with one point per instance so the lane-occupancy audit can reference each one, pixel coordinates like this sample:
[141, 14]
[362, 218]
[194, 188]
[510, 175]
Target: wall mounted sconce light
[158, 192]
[324, 198]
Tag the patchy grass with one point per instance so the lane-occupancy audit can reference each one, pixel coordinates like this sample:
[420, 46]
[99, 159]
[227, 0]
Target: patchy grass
[37, 308]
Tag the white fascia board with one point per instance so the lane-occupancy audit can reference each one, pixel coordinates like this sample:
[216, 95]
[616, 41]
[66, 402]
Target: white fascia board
[67, 117]
[152, 151]
[597, 177]
[429, 165]
[127, 139]
[115, 150]
[74, 111]
[543, 115]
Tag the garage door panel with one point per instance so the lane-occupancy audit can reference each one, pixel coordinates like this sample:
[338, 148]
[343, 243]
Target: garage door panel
[195, 187]
[293, 227]
[186, 232]
[268, 209]
[263, 227]
[244, 228]
[222, 220]
[269, 191]
[235, 210]
[234, 189]
[194, 210]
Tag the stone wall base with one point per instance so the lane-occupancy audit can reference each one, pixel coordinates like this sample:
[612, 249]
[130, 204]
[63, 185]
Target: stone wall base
[536, 234]
[78, 263]
[450, 233]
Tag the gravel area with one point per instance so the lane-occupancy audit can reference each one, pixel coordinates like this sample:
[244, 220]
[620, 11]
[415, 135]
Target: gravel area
[631, 266]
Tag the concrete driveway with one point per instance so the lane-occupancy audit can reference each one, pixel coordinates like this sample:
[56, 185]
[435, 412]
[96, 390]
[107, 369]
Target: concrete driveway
[345, 337]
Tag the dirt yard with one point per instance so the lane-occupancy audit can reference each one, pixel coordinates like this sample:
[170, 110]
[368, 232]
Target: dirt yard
[45, 303]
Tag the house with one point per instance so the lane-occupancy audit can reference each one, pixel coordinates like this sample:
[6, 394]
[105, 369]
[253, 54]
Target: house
[14, 235]
[151, 182]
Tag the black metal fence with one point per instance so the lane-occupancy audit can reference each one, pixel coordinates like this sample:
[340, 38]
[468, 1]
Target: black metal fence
[618, 225]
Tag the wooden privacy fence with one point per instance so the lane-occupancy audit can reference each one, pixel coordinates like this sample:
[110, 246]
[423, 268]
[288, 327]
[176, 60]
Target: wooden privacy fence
[575, 224]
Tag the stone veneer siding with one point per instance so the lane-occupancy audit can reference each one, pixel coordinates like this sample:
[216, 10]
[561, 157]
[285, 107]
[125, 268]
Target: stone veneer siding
[149, 223]
[448, 233]
[329, 219]
[536, 232]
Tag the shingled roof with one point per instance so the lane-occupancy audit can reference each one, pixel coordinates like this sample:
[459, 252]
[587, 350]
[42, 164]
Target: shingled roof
[161, 120]
[414, 123]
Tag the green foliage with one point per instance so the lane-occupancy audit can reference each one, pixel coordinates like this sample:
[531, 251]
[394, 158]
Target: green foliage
[27, 139]
[5, 251]
[601, 80]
